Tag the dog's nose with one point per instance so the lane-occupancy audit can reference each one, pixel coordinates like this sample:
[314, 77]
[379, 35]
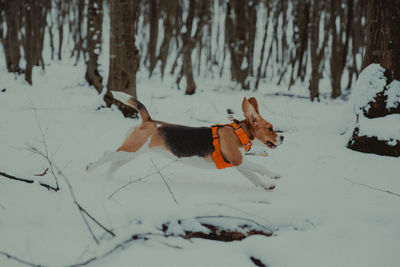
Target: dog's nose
[282, 137]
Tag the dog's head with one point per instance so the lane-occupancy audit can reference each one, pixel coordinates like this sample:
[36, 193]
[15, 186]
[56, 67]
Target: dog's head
[262, 129]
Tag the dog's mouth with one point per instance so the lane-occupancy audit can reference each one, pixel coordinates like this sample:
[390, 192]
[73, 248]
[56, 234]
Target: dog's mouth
[270, 145]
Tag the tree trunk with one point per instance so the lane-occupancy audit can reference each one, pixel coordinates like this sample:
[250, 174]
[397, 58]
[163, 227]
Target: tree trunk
[153, 35]
[383, 47]
[93, 43]
[237, 40]
[383, 35]
[34, 15]
[317, 51]
[124, 56]
[168, 7]
[11, 42]
[339, 46]
[188, 45]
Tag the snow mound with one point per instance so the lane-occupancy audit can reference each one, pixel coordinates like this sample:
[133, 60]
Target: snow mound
[393, 95]
[370, 82]
[386, 128]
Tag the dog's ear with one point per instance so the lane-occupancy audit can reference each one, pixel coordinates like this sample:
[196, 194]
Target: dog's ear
[253, 102]
[249, 111]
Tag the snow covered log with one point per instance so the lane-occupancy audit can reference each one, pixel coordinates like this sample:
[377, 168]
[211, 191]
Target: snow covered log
[375, 101]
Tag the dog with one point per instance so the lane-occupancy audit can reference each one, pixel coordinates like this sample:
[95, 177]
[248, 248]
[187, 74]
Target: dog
[218, 146]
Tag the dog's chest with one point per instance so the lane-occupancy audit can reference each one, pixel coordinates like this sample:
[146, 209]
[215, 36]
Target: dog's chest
[184, 141]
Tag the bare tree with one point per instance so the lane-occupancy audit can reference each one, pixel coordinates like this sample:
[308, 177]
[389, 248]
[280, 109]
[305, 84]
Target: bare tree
[383, 36]
[93, 43]
[168, 15]
[240, 26]
[383, 47]
[153, 34]
[61, 17]
[196, 9]
[317, 48]
[34, 15]
[124, 56]
[11, 42]
[77, 22]
[339, 41]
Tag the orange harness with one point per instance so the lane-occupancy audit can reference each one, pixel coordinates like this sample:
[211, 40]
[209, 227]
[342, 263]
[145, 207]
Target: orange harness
[219, 160]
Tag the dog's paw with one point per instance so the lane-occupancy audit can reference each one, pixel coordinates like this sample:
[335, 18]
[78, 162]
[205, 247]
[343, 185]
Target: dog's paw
[268, 187]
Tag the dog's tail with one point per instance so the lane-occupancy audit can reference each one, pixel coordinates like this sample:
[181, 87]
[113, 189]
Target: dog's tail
[132, 102]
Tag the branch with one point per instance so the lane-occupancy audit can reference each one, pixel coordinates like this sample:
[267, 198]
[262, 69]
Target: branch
[43, 173]
[16, 178]
[93, 219]
[122, 245]
[139, 179]
[9, 256]
[165, 182]
[9, 176]
[372, 187]
[56, 172]
[44, 144]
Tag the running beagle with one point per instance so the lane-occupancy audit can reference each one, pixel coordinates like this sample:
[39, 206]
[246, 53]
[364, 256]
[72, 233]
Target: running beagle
[219, 146]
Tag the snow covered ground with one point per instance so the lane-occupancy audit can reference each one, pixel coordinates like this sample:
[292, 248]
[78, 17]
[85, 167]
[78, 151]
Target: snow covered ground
[320, 213]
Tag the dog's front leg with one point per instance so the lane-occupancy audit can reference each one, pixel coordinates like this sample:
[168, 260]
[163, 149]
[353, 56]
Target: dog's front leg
[253, 166]
[254, 179]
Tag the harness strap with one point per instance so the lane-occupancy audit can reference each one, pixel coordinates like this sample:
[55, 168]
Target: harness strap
[217, 156]
[243, 137]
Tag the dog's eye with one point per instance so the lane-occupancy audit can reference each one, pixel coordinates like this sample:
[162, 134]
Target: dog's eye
[270, 128]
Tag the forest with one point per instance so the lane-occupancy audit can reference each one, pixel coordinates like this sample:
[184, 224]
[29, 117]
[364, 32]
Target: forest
[286, 42]
[95, 93]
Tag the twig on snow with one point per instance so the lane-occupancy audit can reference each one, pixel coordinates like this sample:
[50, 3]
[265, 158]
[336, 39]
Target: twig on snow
[372, 187]
[43, 173]
[82, 211]
[139, 179]
[56, 173]
[46, 153]
[131, 182]
[165, 182]
[121, 245]
[9, 256]
[12, 177]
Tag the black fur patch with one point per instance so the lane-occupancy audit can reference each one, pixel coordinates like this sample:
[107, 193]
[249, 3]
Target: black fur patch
[184, 141]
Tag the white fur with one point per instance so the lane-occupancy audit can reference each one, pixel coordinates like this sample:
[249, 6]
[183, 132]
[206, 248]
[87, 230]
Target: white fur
[121, 96]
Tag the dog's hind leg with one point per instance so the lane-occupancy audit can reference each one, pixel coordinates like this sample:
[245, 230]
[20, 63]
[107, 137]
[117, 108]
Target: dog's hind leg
[255, 179]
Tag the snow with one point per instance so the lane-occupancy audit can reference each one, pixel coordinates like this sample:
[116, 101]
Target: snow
[393, 94]
[318, 213]
[370, 82]
[384, 128]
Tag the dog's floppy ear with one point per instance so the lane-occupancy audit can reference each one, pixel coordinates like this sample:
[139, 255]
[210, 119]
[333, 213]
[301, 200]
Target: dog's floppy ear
[253, 102]
[249, 111]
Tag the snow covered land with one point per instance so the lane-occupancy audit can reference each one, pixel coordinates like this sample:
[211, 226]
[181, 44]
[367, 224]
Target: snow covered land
[332, 206]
